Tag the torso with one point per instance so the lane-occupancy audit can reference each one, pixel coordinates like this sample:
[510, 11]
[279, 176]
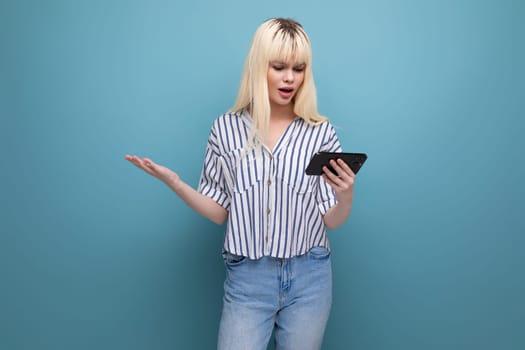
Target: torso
[274, 209]
[276, 130]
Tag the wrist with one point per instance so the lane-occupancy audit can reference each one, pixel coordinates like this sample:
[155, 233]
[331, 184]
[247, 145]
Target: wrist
[173, 182]
[346, 200]
[344, 204]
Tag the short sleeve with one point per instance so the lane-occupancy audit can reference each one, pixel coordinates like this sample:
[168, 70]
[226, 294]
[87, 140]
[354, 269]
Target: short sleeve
[213, 182]
[326, 195]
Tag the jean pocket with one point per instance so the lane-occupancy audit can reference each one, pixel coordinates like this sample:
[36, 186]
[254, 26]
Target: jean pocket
[233, 260]
[319, 253]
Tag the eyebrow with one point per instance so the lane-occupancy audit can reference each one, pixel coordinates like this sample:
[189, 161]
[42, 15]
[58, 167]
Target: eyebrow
[286, 64]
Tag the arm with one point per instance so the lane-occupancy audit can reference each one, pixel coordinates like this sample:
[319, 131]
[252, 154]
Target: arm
[343, 185]
[202, 204]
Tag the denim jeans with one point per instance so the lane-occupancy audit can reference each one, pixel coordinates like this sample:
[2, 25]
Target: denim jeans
[291, 297]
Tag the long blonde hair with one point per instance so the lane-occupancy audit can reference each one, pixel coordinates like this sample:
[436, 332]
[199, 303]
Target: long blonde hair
[277, 39]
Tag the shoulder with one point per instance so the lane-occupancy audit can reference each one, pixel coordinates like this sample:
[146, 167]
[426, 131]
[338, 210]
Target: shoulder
[318, 127]
[326, 132]
[227, 119]
[228, 116]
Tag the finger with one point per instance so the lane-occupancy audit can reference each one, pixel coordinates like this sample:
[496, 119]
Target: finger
[136, 160]
[333, 184]
[334, 179]
[339, 187]
[342, 169]
[342, 164]
[337, 171]
[148, 162]
[139, 163]
[129, 157]
[329, 173]
[345, 177]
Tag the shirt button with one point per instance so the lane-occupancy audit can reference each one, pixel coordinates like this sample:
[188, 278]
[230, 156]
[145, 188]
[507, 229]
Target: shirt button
[268, 211]
[269, 182]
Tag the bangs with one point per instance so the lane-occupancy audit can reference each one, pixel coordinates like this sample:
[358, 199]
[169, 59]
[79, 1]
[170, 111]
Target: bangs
[289, 46]
[280, 40]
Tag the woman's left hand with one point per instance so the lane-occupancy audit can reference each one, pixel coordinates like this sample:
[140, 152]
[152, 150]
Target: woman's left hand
[342, 182]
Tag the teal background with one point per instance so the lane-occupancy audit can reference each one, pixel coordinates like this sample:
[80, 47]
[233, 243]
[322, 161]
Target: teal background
[94, 254]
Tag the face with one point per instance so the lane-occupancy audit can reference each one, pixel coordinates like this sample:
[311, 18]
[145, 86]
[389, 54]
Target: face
[284, 79]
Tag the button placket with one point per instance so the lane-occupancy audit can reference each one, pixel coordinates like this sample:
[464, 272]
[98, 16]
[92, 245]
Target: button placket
[269, 198]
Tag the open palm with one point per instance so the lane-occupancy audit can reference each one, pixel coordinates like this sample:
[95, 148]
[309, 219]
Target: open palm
[159, 171]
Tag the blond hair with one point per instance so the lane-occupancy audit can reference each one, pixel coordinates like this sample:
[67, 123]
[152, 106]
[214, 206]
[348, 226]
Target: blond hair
[284, 40]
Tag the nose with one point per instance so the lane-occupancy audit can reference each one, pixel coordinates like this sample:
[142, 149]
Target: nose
[288, 76]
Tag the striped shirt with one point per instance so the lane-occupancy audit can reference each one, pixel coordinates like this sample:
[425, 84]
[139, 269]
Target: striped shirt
[275, 209]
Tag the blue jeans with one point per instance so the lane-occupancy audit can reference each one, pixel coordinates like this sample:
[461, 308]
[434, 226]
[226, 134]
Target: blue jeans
[291, 296]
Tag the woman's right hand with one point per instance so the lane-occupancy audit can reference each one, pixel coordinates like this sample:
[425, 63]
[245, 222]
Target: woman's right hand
[162, 173]
[199, 202]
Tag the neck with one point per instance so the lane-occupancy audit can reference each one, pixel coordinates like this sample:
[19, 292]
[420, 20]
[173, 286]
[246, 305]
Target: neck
[279, 112]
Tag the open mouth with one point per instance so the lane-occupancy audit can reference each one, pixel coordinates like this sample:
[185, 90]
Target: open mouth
[286, 90]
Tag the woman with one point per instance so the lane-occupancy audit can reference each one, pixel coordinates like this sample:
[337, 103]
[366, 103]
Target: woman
[277, 257]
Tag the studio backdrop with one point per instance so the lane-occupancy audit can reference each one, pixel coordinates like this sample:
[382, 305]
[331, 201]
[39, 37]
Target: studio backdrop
[95, 254]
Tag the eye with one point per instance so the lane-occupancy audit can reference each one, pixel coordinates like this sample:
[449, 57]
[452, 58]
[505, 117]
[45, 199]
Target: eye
[278, 67]
[298, 69]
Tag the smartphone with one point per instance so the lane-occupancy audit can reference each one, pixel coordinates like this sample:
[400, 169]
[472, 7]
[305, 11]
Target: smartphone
[354, 160]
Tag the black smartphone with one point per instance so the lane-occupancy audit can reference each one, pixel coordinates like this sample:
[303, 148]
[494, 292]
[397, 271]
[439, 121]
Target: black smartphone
[354, 160]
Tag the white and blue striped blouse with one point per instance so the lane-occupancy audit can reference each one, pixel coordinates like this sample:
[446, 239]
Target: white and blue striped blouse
[275, 209]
